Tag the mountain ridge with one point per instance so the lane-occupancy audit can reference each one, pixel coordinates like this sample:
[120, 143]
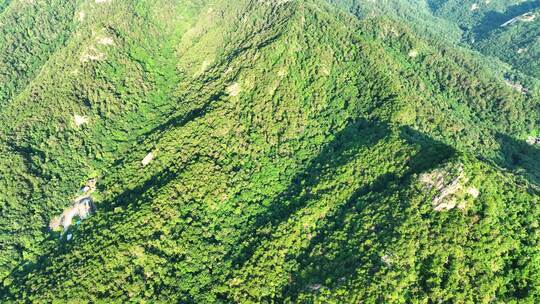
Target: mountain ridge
[263, 120]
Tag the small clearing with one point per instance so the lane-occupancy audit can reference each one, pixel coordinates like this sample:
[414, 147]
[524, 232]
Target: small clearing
[473, 192]
[204, 67]
[103, 1]
[91, 54]
[80, 16]
[474, 7]
[413, 53]
[387, 259]
[325, 71]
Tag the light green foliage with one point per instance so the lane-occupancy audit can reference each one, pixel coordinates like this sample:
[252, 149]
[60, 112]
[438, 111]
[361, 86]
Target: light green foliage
[292, 143]
[473, 24]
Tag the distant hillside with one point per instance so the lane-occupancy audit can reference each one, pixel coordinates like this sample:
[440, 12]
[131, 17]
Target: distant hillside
[517, 43]
[474, 24]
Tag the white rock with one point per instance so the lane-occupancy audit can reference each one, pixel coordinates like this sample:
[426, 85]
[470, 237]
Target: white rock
[105, 41]
[80, 120]
[80, 16]
[473, 192]
[234, 89]
[147, 159]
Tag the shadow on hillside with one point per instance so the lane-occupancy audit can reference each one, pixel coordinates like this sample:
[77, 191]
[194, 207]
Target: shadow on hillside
[336, 154]
[343, 150]
[182, 120]
[27, 153]
[366, 203]
[492, 20]
[520, 157]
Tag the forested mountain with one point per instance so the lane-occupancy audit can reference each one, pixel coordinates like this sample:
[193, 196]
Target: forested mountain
[505, 29]
[517, 43]
[266, 151]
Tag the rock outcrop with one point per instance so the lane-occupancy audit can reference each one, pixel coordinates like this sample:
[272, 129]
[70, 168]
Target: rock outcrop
[449, 187]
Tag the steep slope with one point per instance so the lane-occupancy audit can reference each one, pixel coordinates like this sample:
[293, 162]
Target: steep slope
[480, 17]
[473, 24]
[417, 13]
[505, 29]
[297, 153]
[118, 71]
[31, 31]
[517, 43]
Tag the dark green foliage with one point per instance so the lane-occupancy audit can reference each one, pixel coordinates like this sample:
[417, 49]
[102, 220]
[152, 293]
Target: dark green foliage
[517, 44]
[293, 145]
[30, 33]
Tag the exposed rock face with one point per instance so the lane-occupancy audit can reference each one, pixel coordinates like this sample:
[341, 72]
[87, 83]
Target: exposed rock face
[473, 192]
[516, 86]
[82, 209]
[105, 41]
[533, 140]
[274, 2]
[234, 89]
[413, 53]
[446, 182]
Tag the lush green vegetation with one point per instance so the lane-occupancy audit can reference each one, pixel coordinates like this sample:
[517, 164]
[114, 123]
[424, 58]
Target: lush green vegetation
[517, 44]
[299, 156]
[471, 23]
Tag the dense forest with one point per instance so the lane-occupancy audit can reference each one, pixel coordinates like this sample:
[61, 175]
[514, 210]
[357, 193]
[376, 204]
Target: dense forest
[260, 151]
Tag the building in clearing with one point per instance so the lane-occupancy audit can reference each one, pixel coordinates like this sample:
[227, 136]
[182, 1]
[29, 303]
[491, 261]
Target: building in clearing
[81, 209]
